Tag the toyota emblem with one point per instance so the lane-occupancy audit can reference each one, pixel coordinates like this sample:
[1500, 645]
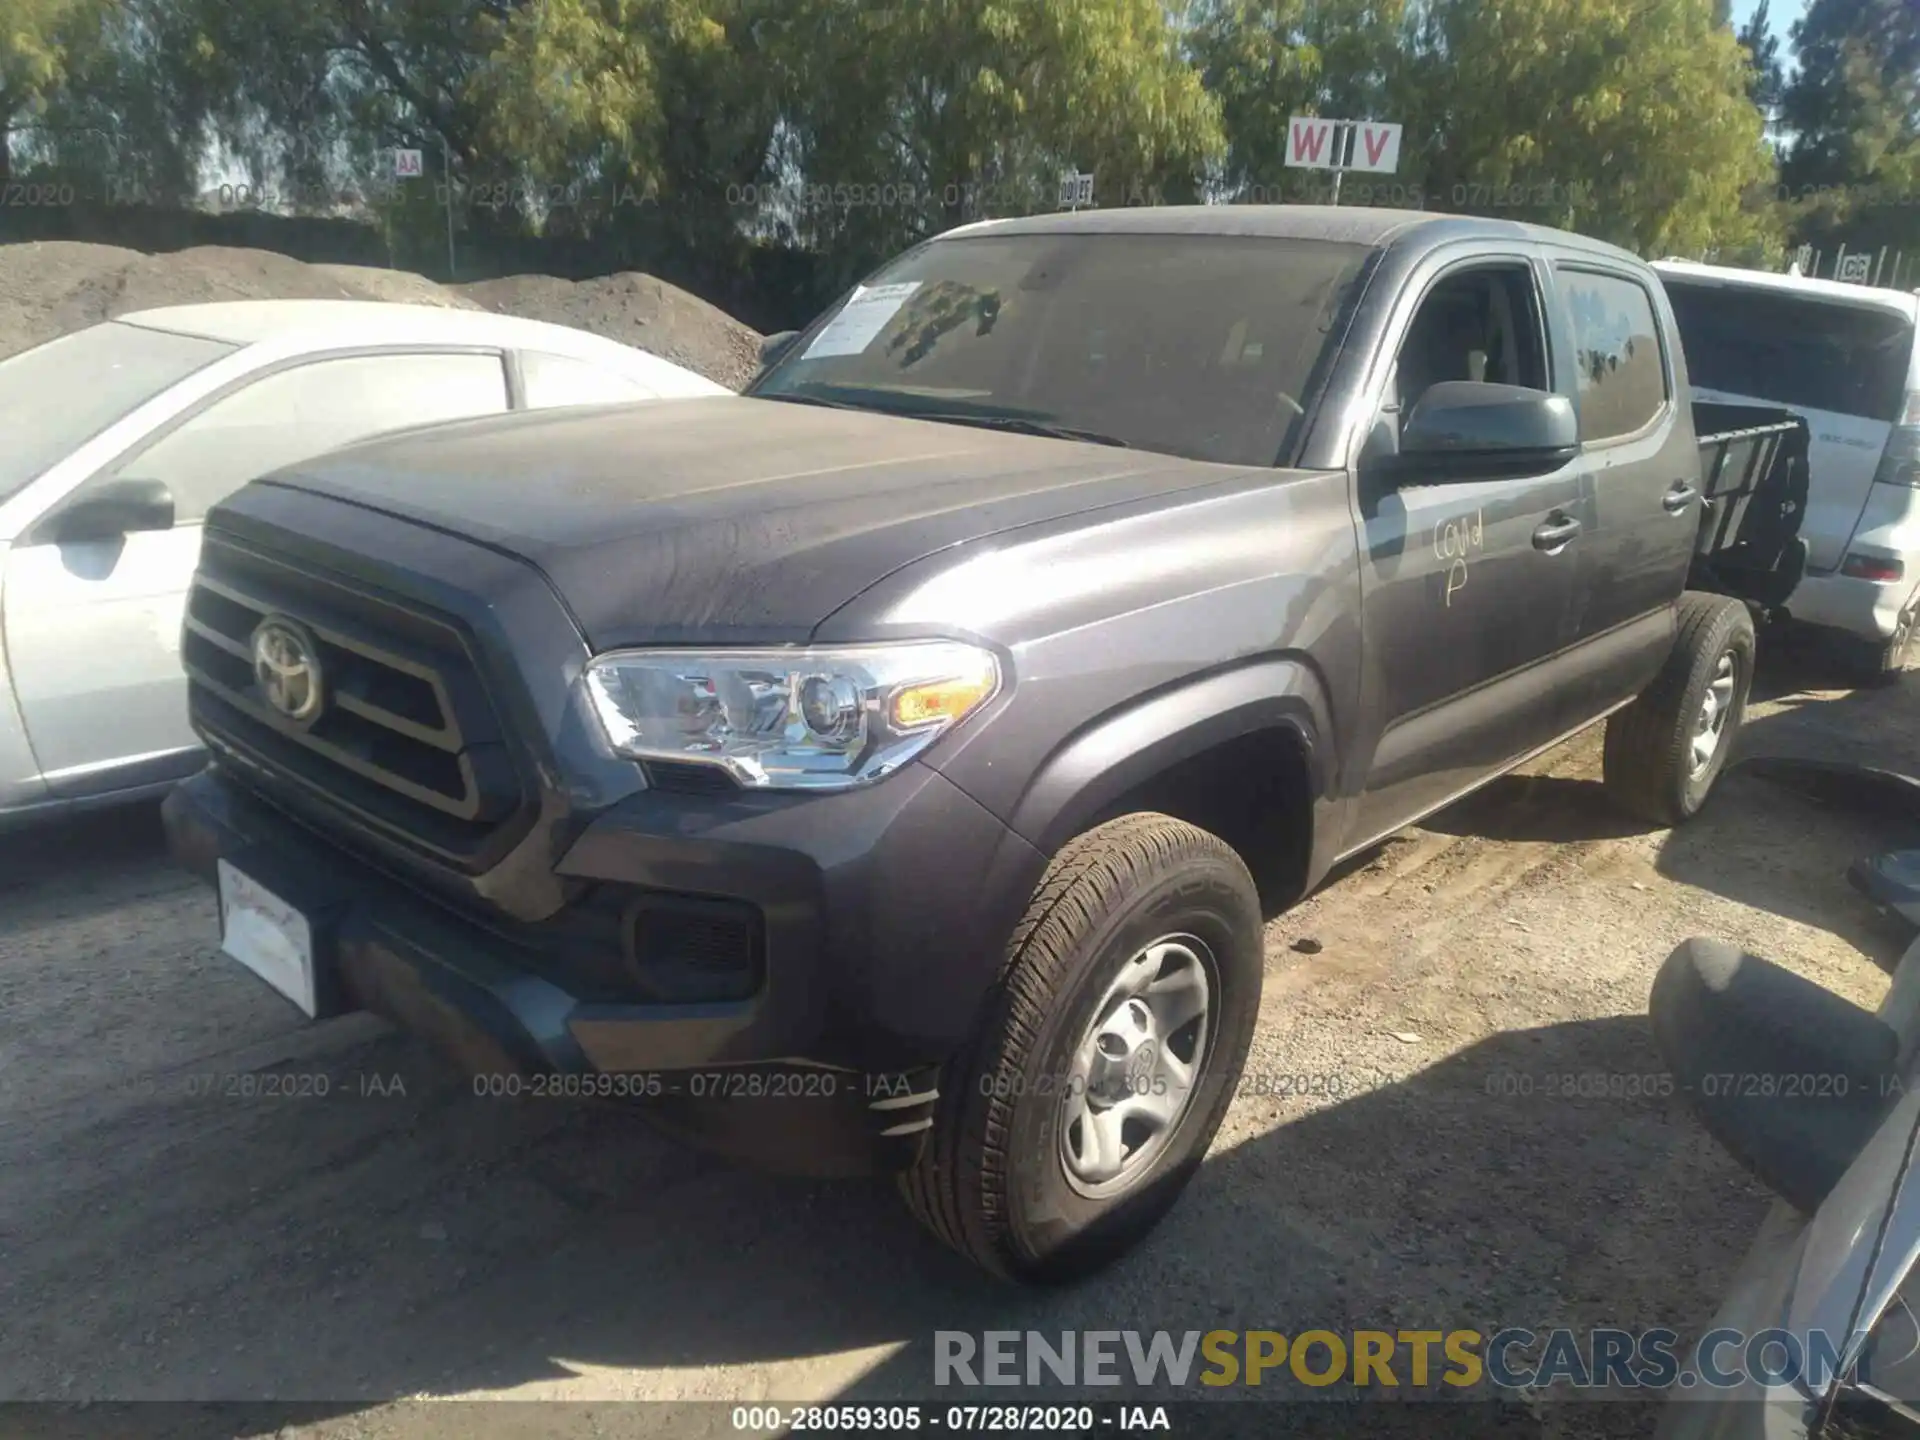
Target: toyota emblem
[286, 663]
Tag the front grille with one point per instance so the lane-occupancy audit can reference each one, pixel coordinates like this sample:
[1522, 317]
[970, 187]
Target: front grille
[406, 740]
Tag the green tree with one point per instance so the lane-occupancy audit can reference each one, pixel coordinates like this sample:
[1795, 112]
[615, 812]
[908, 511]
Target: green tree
[591, 118]
[1852, 171]
[41, 43]
[1268, 60]
[126, 120]
[1767, 79]
[905, 119]
[1854, 102]
[1627, 119]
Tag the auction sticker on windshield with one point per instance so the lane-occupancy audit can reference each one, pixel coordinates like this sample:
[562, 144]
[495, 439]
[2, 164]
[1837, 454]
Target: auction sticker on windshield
[862, 318]
[268, 936]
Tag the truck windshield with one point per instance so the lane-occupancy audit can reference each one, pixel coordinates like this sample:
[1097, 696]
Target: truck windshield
[1204, 346]
[1801, 352]
[57, 396]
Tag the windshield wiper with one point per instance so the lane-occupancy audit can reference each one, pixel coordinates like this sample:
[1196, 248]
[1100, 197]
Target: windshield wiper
[1017, 424]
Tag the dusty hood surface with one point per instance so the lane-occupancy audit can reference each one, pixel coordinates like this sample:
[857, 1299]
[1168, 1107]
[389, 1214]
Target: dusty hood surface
[727, 519]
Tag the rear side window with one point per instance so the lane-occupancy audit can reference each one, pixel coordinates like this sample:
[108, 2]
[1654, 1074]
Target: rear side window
[560, 380]
[1620, 376]
[1797, 351]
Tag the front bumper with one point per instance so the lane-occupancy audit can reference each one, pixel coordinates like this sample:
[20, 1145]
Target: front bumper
[870, 974]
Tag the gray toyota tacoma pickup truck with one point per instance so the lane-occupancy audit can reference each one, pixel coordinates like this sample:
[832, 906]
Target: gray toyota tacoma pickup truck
[890, 769]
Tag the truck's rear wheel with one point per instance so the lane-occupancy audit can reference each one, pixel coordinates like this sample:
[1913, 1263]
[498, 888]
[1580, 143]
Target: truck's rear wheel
[1666, 749]
[1106, 1058]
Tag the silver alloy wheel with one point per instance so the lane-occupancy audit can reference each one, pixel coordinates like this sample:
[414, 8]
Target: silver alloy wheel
[1711, 724]
[1135, 1069]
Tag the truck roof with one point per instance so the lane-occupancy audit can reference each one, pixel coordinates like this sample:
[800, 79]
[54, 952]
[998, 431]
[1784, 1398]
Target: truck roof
[1351, 224]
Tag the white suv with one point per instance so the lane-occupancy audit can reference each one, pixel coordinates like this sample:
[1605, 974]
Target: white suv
[1846, 357]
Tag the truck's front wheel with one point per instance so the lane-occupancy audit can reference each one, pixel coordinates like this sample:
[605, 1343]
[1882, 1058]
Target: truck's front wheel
[1107, 1056]
[1665, 750]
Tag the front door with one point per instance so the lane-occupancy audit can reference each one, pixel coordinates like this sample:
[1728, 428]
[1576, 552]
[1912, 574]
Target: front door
[92, 627]
[1467, 583]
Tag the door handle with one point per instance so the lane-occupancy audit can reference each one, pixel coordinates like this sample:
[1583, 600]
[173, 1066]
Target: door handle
[1678, 497]
[1555, 533]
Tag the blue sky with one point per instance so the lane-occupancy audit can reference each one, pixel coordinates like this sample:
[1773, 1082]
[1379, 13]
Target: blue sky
[1780, 15]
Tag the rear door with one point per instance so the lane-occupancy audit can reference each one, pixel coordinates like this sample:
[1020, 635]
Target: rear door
[92, 627]
[1642, 467]
[1843, 366]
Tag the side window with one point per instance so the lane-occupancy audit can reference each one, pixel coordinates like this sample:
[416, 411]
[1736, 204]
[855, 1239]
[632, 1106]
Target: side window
[559, 380]
[296, 414]
[1476, 324]
[1619, 373]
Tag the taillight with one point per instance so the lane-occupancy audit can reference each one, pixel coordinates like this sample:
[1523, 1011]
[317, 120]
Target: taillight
[1871, 567]
[1900, 462]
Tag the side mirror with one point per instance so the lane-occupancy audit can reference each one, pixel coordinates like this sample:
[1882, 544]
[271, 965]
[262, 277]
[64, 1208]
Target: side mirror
[117, 508]
[776, 345]
[1472, 428]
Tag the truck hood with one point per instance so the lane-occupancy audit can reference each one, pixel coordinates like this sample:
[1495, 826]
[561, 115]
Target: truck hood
[726, 519]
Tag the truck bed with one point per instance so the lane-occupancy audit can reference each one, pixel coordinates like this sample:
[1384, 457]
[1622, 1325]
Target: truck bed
[1753, 487]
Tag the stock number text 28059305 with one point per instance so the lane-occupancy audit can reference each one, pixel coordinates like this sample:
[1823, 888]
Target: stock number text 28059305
[971, 1418]
[652, 1084]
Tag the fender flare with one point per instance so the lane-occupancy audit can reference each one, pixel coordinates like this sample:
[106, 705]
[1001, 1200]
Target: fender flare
[1104, 760]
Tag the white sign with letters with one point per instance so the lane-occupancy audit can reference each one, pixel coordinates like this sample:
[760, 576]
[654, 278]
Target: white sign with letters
[1372, 146]
[1376, 148]
[408, 164]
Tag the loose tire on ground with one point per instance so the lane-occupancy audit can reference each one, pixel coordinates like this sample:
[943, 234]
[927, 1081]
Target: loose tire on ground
[1650, 758]
[994, 1180]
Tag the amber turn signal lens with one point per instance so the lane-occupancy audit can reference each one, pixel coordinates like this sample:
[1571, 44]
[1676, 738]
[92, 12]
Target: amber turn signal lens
[923, 704]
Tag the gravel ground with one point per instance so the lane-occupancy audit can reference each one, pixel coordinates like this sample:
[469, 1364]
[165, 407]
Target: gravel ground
[50, 287]
[399, 1237]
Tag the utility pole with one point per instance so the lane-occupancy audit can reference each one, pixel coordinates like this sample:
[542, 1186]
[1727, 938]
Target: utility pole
[446, 169]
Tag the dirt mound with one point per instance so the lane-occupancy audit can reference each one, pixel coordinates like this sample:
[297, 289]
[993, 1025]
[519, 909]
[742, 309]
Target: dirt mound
[634, 309]
[50, 287]
[56, 286]
[398, 286]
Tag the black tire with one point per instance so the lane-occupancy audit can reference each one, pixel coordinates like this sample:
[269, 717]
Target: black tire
[992, 1181]
[1649, 762]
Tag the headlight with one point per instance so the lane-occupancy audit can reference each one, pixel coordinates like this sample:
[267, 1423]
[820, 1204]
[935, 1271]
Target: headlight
[790, 719]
